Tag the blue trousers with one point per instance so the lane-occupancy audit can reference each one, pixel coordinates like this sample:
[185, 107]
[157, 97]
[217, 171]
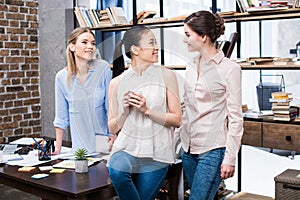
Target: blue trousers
[148, 176]
[203, 173]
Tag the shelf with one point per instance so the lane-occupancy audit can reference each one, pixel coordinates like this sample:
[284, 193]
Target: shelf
[270, 67]
[160, 24]
[235, 17]
[264, 15]
[248, 67]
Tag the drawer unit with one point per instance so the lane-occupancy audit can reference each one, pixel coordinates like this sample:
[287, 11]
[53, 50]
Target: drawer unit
[252, 133]
[281, 136]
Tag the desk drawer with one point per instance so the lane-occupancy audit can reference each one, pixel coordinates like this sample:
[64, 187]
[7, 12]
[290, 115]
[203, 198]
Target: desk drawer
[252, 133]
[281, 136]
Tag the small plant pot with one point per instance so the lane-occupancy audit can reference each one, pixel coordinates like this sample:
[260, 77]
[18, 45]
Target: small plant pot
[81, 166]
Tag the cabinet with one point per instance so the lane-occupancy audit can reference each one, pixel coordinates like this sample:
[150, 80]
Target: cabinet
[272, 134]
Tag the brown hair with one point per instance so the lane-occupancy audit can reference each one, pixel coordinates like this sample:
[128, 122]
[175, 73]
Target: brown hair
[205, 23]
[131, 37]
[71, 64]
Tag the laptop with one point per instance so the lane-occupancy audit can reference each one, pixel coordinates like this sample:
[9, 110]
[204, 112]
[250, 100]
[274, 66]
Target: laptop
[8, 148]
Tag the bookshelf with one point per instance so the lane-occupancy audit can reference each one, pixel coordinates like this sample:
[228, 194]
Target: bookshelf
[231, 17]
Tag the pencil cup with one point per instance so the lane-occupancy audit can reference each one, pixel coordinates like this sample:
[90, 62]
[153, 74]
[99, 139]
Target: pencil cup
[44, 151]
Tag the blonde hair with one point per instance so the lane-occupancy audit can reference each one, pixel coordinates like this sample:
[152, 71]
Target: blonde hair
[71, 64]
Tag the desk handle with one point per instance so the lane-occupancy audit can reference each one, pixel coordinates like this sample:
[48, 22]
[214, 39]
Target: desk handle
[288, 138]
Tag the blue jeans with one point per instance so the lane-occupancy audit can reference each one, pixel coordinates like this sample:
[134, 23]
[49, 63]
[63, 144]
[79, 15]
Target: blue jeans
[148, 176]
[203, 173]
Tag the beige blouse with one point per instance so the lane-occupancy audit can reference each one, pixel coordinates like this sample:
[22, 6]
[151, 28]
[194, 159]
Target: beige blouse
[140, 136]
[213, 116]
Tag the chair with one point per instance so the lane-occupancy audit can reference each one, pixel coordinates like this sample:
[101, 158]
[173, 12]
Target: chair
[228, 46]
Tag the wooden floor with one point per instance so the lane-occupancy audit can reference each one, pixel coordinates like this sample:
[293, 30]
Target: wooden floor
[247, 196]
[8, 193]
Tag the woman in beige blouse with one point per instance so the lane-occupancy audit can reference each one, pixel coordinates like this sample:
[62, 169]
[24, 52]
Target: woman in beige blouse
[213, 122]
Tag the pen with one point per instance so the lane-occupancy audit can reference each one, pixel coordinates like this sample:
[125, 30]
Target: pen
[37, 143]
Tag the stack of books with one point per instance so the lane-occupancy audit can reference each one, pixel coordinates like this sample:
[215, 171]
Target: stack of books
[111, 16]
[282, 110]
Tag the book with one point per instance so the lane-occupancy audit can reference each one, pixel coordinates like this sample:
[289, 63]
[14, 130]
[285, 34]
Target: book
[280, 100]
[296, 4]
[241, 6]
[92, 17]
[280, 95]
[109, 14]
[266, 8]
[297, 119]
[144, 15]
[70, 164]
[274, 104]
[84, 13]
[280, 107]
[287, 119]
[79, 17]
[104, 18]
[289, 111]
[118, 15]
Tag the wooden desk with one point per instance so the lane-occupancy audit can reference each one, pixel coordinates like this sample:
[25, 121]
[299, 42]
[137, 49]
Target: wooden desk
[265, 132]
[95, 184]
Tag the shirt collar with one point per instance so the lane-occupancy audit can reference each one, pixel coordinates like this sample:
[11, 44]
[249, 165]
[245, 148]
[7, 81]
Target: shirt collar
[216, 58]
[148, 72]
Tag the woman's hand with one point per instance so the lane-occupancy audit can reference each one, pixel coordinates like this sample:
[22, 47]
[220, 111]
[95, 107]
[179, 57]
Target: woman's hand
[111, 141]
[227, 171]
[125, 101]
[138, 101]
[56, 152]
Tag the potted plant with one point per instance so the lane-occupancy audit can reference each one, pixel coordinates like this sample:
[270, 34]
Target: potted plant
[81, 161]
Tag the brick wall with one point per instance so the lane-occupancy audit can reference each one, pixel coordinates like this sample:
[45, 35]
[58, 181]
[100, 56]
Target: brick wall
[19, 68]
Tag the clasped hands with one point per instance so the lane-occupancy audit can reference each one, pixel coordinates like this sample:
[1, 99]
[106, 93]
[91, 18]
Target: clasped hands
[133, 99]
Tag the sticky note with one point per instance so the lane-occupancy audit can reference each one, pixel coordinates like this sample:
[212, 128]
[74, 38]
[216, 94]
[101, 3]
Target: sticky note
[57, 170]
[39, 176]
[26, 169]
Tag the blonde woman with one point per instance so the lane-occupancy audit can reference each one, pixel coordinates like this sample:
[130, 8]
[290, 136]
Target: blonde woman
[81, 93]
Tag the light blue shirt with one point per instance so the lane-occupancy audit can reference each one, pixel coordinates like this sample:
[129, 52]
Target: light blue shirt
[83, 107]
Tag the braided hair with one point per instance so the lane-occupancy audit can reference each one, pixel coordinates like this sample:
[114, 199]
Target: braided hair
[206, 23]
